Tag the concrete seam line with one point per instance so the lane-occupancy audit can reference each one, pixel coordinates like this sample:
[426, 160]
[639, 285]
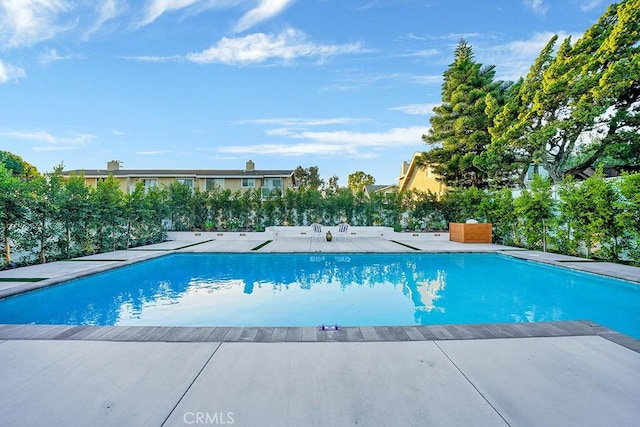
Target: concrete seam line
[191, 384]
[471, 382]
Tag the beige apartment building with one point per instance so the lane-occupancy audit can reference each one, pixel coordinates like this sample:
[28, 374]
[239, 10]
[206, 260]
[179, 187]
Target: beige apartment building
[267, 181]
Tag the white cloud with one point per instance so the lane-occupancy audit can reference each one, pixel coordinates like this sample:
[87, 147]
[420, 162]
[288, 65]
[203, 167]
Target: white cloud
[153, 58]
[417, 109]
[537, 6]
[516, 58]
[424, 53]
[117, 132]
[265, 10]
[587, 5]
[107, 10]
[298, 121]
[343, 143]
[356, 80]
[391, 138]
[427, 80]
[52, 56]
[10, 72]
[157, 8]
[27, 22]
[259, 47]
[49, 141]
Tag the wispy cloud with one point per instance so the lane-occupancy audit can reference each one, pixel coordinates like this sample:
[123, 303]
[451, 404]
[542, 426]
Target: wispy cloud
[267, 9]
[48, 141]
[587, 5]
[157, 8]
[10, 72]
[299, 121]
[154, 58]
[258, 48]
[107, 10]
[416, 109]
[344, 143]
[515, 58]
[537, 6]
[355, 80]
[27, 22]
[52, 55]
[423, 53]
[426, 79]
[386, 3]
[454, 37]
[117, 132]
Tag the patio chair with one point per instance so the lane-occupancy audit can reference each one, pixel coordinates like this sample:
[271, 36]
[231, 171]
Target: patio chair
[317, 231]
[342, 231]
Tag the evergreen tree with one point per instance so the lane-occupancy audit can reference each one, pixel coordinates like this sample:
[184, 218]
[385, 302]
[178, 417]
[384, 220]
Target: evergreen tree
[308, 177]
[459, 130]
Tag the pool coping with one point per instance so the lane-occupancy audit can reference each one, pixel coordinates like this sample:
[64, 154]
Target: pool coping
[316, 334]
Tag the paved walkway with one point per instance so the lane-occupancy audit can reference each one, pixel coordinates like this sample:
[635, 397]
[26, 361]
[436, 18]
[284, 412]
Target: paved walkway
[558, 373]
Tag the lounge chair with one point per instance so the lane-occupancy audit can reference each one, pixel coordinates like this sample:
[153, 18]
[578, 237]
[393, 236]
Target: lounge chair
[342, 231]
[317, 231]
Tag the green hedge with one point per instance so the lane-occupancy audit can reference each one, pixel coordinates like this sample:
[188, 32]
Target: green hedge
[48, 218]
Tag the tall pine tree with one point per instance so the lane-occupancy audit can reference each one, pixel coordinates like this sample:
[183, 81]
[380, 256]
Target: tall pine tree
[459, 128]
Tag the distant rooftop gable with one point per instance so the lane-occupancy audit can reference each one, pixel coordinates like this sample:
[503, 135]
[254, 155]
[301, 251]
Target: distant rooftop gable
[373, 188]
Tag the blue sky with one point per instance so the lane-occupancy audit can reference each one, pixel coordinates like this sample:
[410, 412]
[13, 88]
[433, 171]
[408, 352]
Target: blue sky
[344, 85]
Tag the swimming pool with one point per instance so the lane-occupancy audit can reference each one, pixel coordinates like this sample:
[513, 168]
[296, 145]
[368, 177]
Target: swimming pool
[345, 289]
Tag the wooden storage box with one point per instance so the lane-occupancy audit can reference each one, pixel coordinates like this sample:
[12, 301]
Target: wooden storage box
[469, 233]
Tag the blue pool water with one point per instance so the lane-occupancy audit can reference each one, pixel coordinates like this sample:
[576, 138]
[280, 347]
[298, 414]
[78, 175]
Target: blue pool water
[347, 289]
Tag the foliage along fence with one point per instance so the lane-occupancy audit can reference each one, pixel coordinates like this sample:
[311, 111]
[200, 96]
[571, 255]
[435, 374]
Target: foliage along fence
[49, 218]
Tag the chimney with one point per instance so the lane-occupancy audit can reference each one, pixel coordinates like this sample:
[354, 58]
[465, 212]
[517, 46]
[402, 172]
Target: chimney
[113, 165]
[250, 166]
[405, 168]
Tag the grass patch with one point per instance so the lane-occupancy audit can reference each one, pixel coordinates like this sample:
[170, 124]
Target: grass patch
[263, 244]
[21, 279]
[405, 245]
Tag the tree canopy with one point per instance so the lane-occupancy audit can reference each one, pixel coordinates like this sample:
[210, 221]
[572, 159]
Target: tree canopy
[459, 132]
[18, 166]
[358, 180]
[577, 108]
[579, 105]
[308, 177]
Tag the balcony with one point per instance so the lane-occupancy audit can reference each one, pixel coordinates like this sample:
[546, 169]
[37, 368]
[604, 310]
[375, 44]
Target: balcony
[267, 192]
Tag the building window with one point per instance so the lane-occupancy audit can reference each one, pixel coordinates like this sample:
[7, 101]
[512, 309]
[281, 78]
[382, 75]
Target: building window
[248, 182]
[273, 182]
[211, 183]
[187, 181]
[149, 183]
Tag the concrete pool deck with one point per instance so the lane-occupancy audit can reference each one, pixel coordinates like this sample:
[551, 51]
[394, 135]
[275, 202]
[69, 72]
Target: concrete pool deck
[556, 373]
